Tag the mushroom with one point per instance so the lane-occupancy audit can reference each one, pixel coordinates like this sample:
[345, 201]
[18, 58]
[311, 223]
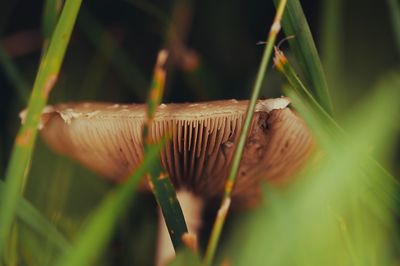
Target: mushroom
[107, 138]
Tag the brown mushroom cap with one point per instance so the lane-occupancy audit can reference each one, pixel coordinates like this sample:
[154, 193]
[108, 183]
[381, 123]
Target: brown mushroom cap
[107, 138]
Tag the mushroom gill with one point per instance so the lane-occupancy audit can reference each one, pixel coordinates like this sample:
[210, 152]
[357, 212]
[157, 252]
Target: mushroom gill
[107, 138]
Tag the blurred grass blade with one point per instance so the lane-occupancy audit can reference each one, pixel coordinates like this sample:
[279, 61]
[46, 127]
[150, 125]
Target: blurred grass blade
[159, 180]
[46, 77]
[14, 76]
[186, 257]
[333, 203]
[394, 10]
[327, 128]
[51, 11]
[98, 229]
[230, 182]
[129, 72]
[165, 195]
[331, 40]
[283, 65]
[30, 216]
[294, 23]
[380, 133]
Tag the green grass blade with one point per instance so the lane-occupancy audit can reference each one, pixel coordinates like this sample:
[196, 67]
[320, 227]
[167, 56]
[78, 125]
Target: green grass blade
[327, 128]
[394, 9]
[160, 182]
[46, 77]
[129, 72]
[283, 65]
[14, 75]
[333, 203]
[98, 229]
[51, 11]
[385, 93]
[224, 208]
[186, 257]
[30, 216]
[294, 23]
[331, 40]
[165, 195]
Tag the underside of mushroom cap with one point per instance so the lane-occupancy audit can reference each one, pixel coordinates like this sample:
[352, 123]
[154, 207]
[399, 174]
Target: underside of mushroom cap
[107, 138]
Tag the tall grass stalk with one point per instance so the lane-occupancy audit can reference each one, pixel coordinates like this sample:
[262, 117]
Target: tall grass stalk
[23, 147]
[295, 23]
[159, 180]
[230, 182]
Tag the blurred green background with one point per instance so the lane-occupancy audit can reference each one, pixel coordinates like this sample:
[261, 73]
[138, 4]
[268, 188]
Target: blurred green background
[111, 56]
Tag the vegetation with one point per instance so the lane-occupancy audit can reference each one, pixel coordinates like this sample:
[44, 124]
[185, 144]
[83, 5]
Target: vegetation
[340, 69]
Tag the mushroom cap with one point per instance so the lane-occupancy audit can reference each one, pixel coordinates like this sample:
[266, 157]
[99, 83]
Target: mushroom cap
[107, 138]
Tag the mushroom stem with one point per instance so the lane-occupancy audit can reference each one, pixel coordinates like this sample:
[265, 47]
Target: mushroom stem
[192, 207]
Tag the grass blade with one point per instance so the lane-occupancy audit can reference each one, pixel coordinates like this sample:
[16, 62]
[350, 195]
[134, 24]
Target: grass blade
[51, 11]
[160, 182]
[47, 76]
[224, 208]
[186, 257]
[394, 9]
[98, 229]
[327, 128]
[29, 215]
[294, 23]
[351, 209]
[297, 86]
[282, 64]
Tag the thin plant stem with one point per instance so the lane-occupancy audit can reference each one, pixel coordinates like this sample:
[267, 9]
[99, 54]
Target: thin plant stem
[394, 9]
[159, 180]
[23, 147]
[230, 182]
